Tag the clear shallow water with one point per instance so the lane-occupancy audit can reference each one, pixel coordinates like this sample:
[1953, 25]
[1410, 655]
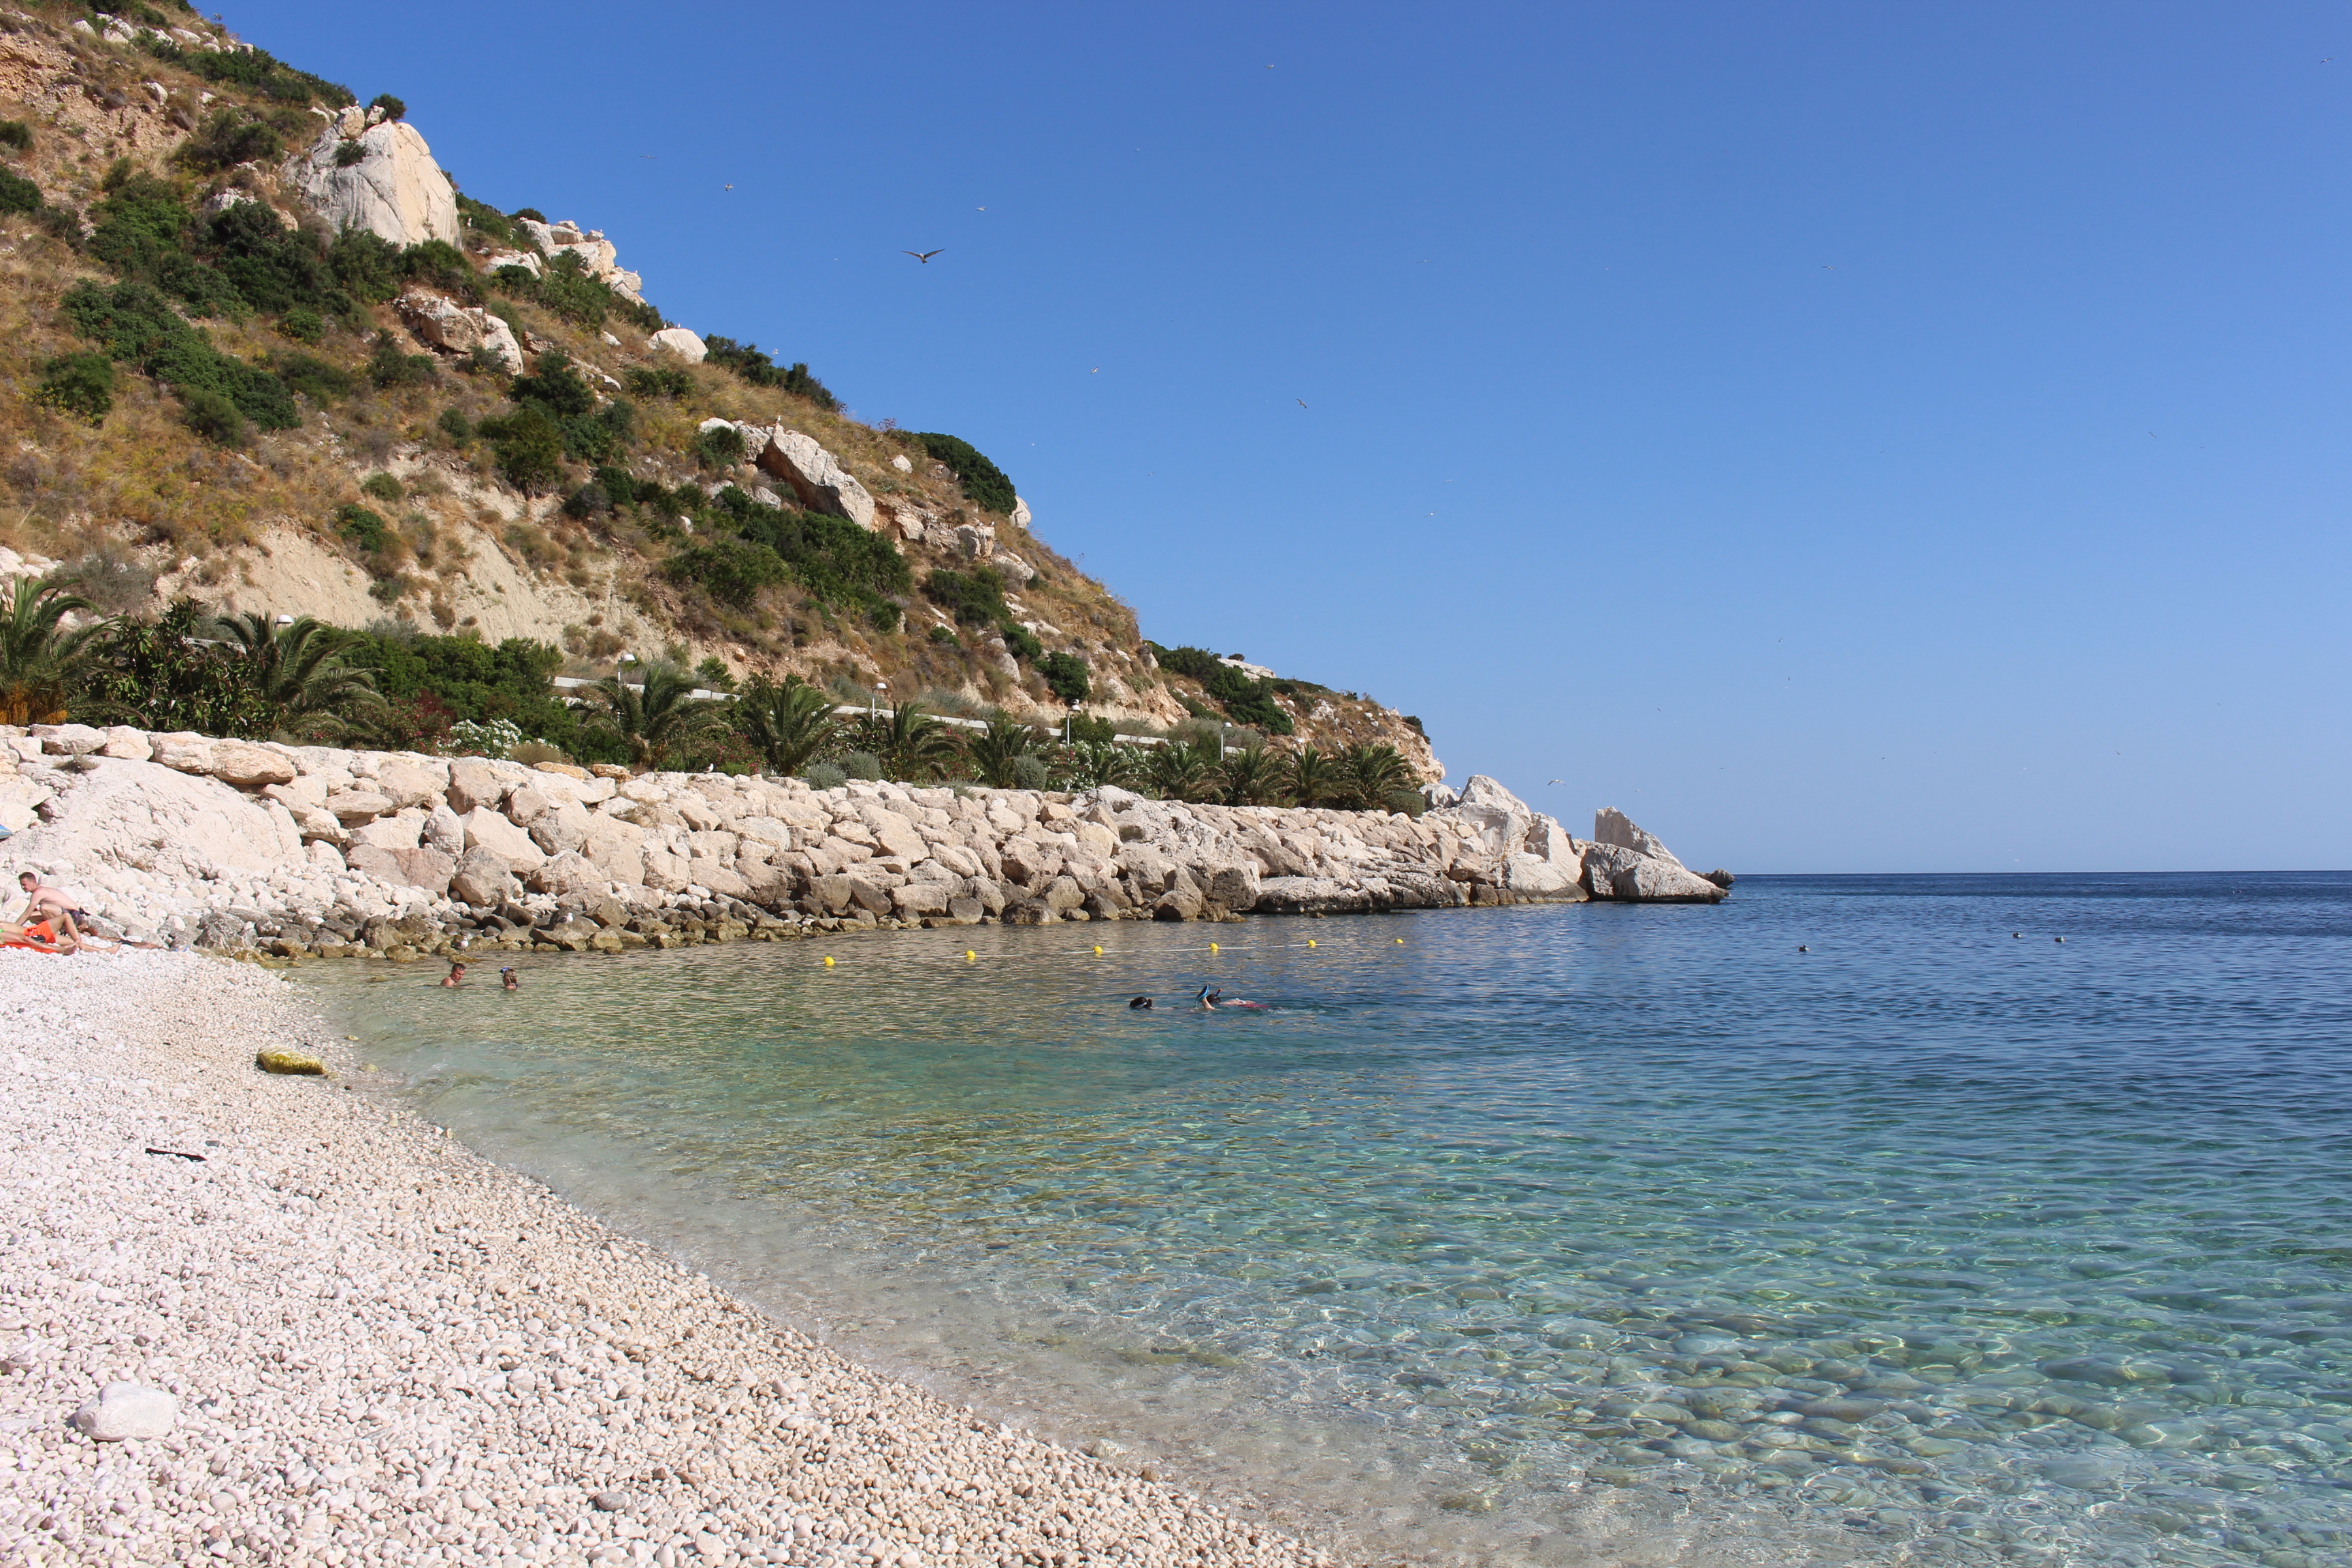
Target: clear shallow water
[1549, 1229]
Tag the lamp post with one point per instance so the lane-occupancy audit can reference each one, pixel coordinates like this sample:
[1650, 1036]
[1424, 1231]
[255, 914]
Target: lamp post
[1068, 721]
[874, 703]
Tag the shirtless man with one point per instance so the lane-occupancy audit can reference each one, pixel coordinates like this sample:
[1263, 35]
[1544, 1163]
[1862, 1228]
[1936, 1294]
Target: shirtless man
[43, 902]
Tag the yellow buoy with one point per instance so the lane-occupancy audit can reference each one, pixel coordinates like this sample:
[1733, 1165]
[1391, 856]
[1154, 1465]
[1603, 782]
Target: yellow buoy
[828, 963]
[1399, 942]
[1311, 941]
[1098, 949]
[1213, 947]
[969, 956]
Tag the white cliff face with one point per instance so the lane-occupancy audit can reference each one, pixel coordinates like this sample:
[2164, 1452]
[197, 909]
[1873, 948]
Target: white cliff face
[395, 190]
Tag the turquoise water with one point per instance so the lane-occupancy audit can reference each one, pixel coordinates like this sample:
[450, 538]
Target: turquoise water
[1537, 1230]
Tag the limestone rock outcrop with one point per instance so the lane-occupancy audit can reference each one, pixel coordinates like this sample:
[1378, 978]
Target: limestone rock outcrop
[1611, 826]
[393, 190]
[442, 323]
[685, 344]
[594, 251]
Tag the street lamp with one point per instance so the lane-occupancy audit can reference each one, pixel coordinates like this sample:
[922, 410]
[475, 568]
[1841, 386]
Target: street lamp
[874, 703]
[1069, 722]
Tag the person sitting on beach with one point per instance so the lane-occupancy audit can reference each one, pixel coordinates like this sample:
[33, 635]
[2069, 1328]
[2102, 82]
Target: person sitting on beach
[43, 902]
[456, 977]
[512, 980]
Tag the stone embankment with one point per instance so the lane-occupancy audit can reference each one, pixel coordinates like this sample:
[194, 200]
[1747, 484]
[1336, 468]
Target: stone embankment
[248, 1318]
[311, 850]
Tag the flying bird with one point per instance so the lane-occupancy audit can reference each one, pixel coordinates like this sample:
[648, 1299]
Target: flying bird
[646, 154]
[1555, 781]
[922, 256]
[729, 187]
[1302, 403]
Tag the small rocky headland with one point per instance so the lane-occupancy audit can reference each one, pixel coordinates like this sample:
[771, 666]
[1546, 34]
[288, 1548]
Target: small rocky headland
[287, 852]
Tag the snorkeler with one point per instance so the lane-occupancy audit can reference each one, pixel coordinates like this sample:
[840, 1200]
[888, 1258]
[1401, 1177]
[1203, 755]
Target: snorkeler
[511, 982]
[1213, 998]
[1140, 1004]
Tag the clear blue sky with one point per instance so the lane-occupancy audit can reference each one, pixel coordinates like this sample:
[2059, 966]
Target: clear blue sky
[1846, 437]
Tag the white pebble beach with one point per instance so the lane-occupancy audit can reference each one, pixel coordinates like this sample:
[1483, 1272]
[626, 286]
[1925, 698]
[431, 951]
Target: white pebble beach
[383, 1348]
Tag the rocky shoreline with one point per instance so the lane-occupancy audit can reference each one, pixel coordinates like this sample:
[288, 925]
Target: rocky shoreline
[291, 852]
[301, 1326]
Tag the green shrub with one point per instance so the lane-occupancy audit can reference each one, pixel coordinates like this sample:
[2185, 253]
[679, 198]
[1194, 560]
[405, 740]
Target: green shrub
[1244, 701]
[314, 378]
[1029, 772]
[16, 135]
[826, 775]
[983, 483]
[943, 636]
[229, 136]
[392, 107]
[975, 599]
[303, 324]
[531, 213]
[455, 426]
[590, 500]
[530, 450]
[1065, 674]
[260, 71]
[1086, 731]
[486, 220]
[1022, 643]
[351, 154]
[835, 559]
[382, 487]
[657, 381]
[719, 448]
[622, 486]
[479, 682]
[731, 571]
[387, 366]
[81, 385]
[134, 324]
[361, 527]
[212, 415]
[18, 194]
[862, 765]
[745, 361]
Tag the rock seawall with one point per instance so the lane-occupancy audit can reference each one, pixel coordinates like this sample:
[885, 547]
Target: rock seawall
[316, 850]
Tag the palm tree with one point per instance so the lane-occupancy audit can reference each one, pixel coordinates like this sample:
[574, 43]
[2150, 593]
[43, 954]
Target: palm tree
[913, 743]
[655, 718]
[1375, 774]
[1093, 763]
[41, 664]
[300, 670]
[1315, 778]
[1183, 770]
[1252, 776]
[995, 753]
[789, 724]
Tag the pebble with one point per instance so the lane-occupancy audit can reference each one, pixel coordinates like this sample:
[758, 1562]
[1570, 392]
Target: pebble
[345, 1339]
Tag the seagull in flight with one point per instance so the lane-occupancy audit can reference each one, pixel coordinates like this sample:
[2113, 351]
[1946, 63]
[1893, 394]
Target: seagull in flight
[1302, 402]
[922, 256]
[1555, 781]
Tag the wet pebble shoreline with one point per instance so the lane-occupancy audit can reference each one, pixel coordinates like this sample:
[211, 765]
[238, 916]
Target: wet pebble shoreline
[381, 1347]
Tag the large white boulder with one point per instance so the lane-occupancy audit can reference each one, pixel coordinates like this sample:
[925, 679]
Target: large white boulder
[814, 474]
[442, 323]
[1611, 826]
[594, 251]
[395, 190]
[148, 818]
[685, 344]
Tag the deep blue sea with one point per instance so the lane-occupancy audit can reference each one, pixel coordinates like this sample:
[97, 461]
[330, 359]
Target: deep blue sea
[1943, 1219]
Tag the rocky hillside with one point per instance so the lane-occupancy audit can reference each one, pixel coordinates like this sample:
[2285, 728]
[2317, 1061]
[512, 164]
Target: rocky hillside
[259, 350]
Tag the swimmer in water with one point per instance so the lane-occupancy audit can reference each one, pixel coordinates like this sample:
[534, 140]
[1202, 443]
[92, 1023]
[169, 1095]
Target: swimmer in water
[1213, 999]
[456, 977]
[513, 983]
[1140, 1004]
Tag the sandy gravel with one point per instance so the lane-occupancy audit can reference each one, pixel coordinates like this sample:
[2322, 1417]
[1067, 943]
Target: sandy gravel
[385, 1348]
